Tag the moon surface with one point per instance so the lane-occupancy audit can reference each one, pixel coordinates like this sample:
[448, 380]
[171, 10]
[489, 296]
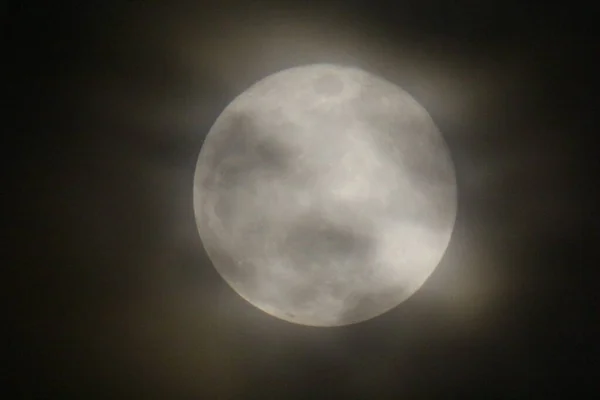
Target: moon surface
[325, 195]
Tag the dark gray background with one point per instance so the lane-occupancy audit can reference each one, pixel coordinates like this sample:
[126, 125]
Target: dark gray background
[110, 293]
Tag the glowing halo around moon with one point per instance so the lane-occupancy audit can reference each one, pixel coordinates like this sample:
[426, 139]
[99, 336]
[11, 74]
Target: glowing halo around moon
[325, 195]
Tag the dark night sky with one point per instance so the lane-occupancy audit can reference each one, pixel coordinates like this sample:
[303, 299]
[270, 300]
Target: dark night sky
[110, 293]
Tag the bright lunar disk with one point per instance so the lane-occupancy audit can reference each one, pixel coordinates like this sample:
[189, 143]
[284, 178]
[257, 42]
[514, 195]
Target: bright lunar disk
[325, 195]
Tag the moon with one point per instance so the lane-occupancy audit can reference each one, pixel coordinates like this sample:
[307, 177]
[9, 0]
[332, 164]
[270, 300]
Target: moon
[325, 195]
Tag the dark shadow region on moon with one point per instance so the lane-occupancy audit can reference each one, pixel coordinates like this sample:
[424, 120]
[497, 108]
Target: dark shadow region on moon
[316, 241]
[311, 245]
[241, 152]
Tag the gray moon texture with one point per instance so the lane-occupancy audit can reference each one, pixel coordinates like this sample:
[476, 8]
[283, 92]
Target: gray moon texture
[325, 195]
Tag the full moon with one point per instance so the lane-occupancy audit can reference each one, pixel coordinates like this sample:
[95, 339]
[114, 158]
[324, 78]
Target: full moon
[325, 195]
